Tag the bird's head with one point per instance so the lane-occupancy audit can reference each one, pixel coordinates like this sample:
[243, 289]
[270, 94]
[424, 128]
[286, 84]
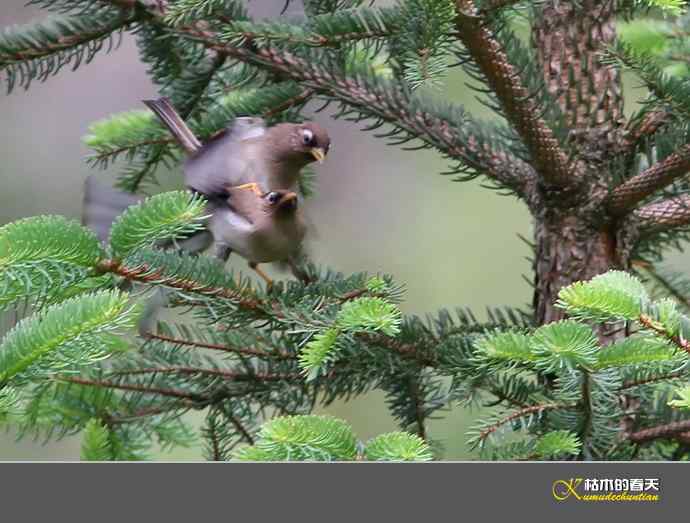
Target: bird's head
[280, 202]
[302, 143]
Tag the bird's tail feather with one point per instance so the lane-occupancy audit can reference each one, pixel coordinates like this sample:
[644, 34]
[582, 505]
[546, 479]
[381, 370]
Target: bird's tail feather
[174, 122]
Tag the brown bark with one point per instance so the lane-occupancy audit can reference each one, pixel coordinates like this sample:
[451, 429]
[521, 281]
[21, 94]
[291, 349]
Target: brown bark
[568, 40]
[664, 215]
[548, 157]
[627, 195]
[582, 242]
[569, 250]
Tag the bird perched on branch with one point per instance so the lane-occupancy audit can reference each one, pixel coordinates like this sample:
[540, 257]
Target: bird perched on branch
[260, 228]
[250, 174]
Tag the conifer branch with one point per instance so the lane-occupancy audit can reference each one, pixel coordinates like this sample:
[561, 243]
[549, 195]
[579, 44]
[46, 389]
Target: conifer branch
[527, 411]
[417, 397]
[122, 4]
[403, 349]
[39, 50]
[668, 285]
[145, 413]
[299, 99]
[73, 36]
[389, 104]
[632, 191]
[550, 161]
[243, 31]
[664, 215]
[678, 341]
[213, 437]
[246, 435]
[226, 375]
[652, 379]
[644, 128]
[669, 430]
[386, 102]
[145, 274]
[217, 347]
[172, 393]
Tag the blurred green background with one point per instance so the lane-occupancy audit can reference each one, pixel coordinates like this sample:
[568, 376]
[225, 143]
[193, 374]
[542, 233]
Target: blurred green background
[378, 209]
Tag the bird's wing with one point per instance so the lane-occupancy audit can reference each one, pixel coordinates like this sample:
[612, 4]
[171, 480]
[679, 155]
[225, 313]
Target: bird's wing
[227, 160]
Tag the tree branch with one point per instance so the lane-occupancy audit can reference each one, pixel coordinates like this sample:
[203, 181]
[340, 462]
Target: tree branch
[668, 286]
[669, 430]
[226, 375]
[664, 215]
[418, 400]
[678, 341]
[405, 350]
[390, 104]
[217, 347]
[246, 435]
[527, 411]
[122, 4]
[653, 379]
[145, 274]
[144, 413]
[36, 49]
[550, 161]
[644, 128]
[631, 192]
[172, 393]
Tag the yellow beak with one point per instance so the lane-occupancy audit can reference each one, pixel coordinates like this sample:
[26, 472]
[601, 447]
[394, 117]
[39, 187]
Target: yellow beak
[318, 153]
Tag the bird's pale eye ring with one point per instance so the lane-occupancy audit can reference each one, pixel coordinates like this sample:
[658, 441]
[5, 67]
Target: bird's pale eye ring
[307, 136]
[273, 197]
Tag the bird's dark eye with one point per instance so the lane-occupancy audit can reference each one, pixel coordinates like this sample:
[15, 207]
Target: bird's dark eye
[307, 137]
[273, 197]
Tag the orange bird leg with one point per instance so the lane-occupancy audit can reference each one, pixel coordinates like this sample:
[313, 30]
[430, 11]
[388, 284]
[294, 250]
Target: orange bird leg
[254, 187]
[255, 267]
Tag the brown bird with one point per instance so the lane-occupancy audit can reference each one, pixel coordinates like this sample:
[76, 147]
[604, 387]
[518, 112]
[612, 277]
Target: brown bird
[248, 153]
[261, 229]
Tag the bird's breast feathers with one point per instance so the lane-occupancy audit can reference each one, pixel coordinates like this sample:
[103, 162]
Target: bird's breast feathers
[264, 240]
[276, 242]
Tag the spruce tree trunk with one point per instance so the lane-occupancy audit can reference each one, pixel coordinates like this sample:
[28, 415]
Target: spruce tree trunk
[569, 250]
[574, 237]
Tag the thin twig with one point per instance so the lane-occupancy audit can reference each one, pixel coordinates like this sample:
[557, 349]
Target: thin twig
[143, 273]
[239, 426]
[679, 342]
[404, 349]
[418, 400]
[152, 411]
[653, 379]
[227, 375]
[527, 411]
[173, 393]
[217, 347]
